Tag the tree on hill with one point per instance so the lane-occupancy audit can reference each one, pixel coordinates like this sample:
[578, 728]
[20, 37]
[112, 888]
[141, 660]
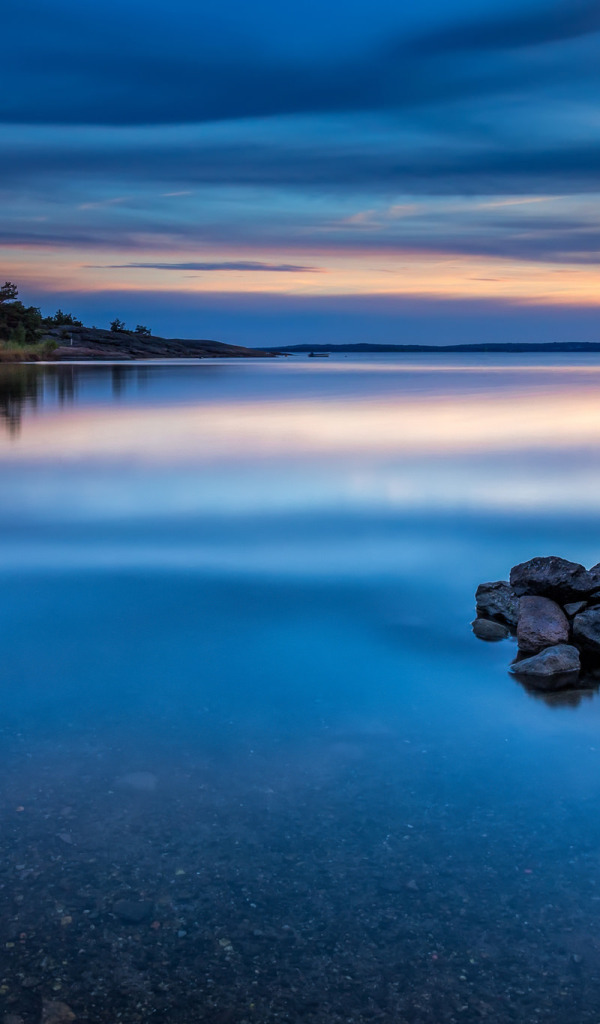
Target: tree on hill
[8, 292]
[117, 325]
[18, 323]
[61, 319]
[145, 332]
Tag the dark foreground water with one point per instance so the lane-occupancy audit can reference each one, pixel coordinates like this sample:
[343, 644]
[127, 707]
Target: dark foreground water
[255, 767]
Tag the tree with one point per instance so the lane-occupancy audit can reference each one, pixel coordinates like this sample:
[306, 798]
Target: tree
[117, 325]
[19, 334]
[18, 322]
[144, 331]
[61, 319]
[8, 292]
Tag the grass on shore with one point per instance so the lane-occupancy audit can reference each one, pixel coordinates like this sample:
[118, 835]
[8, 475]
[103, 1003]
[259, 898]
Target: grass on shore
[14, 352]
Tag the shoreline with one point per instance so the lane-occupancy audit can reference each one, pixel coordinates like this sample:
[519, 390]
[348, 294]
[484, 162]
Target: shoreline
[90, 343]
[79, 344]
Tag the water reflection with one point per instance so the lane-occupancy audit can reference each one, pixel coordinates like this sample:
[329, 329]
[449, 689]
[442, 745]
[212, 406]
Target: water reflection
[18, 385]
[255, 768]
[25, 387]
[266, 426]
[28, 387]
[566, 698]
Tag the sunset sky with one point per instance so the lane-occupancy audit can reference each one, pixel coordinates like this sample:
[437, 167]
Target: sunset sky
[272, 173]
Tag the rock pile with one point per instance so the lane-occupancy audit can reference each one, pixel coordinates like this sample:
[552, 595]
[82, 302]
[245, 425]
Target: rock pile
[553, 607]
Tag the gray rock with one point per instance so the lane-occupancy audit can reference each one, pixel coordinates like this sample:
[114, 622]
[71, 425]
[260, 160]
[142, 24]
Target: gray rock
[586, 630]
[497, 601]
[552, 577]
[551, 668]
[573, 608]
[133, 911]
[542, 623]
[487, 629]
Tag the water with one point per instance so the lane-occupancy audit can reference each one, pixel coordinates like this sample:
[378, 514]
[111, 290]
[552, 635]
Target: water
[255, 767]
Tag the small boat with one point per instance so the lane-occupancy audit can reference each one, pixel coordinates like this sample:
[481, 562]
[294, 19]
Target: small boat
[318, 355]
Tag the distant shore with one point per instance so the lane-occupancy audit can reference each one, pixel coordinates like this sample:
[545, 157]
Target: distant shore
[550, 347]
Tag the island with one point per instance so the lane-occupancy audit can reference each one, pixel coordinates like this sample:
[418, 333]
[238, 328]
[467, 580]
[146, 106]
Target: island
[27, 336]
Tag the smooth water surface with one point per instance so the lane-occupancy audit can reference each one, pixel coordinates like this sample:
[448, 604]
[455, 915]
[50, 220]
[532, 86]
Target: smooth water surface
[255, 766]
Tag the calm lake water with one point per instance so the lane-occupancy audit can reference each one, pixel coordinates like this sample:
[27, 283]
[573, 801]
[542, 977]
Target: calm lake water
[255, 766]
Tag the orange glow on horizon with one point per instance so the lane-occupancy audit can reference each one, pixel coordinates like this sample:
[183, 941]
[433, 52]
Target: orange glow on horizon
[372, 272]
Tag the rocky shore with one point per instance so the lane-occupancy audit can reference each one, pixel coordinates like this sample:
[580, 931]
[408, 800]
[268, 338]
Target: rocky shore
[552, 607]
[84, 343]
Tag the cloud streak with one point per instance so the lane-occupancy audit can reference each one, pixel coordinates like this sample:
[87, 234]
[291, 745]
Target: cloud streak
[543, 24]
[243, 265]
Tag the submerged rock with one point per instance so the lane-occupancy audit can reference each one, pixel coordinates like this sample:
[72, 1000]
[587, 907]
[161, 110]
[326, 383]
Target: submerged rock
[552, 577]
[133, 911]
[550, 669]
[542, 623]
[497, 601]
[56, 1012]
[586, 630]
[487, 629]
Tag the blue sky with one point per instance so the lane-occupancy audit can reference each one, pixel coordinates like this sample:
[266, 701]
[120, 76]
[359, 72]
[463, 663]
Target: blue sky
[419, 172]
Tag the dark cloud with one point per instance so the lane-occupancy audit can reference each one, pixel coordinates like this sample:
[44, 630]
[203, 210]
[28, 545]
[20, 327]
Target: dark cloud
[333, 173]
[436, 167]
[569, 240]
[252, 265]
[471, 107]
[90, 64]
[549, 23]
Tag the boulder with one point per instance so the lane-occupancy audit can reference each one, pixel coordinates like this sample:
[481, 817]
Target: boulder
[586, 630]
[594, 572]
[552, 577]
[551, 669]
[487, 629]
[497, 601]
[573, 608]
[541, 624]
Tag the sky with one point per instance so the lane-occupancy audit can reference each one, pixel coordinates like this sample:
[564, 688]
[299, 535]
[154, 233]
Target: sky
[268, 173]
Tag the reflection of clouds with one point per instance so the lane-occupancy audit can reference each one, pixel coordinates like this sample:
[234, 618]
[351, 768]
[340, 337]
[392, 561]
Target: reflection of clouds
[275, 486]
[262, 429]
[529, 451]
